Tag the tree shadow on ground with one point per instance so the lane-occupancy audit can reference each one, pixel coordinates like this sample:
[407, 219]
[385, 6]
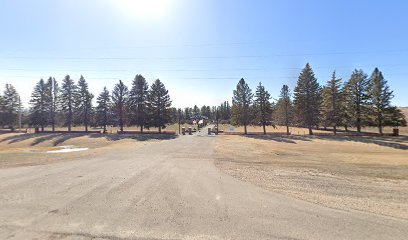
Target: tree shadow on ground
[18, 138]
[59, 138]
[385, 141]
[137, 137]
[397, 142]
[43, 138]
[283, 139]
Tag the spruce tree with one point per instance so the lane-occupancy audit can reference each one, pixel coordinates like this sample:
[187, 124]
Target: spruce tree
[84, 103]
[307, 99]
[53, 101]
[332, 103]
[263, 106]
[68, 100]
[2, 111]
[356, 97]
[380, 99]
[138, 101]
[395, 117]
[187, 113]
[158, 105]
[241, 105]
[196, 112]
[120, 98]
[11, 106]
[103, 109]
[40, 102]
[284, 109]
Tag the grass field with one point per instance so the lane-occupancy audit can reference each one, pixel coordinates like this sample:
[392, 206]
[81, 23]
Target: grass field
[31, 149]
[302, 131]
[110, 129]
[361, 173]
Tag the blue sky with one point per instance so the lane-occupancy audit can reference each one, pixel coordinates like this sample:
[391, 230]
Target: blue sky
[201, 48]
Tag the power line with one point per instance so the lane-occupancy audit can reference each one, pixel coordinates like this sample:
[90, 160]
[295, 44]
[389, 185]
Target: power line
[202, 57]
[197, 70]
[195, 78]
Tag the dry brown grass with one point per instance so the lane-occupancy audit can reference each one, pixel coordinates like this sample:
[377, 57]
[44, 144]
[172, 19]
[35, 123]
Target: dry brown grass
[30, 149]
[303, 131]
[368, 174]
[110, 129]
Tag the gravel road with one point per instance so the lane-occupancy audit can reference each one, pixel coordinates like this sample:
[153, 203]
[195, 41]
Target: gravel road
[166, 190]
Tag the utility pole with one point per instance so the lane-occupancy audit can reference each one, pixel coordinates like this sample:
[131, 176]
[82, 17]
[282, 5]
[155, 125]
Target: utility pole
[53, 104]
[179, 120]
[19, 114]
[216, 116]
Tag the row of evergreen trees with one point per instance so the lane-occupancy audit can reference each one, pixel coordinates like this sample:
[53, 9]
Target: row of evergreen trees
[73, 102]
[360, 101]
[220, 113]
[10, 107]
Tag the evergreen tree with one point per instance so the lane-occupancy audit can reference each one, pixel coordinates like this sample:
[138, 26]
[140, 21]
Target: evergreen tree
[68, 100]
[11, 106]
[103, 109]
[380, 101]
[187, 113]
[2, 111]
[284, 108]
[138, 101]
[158, 106]
[241, 105]
[307, 99]
[84, 103]
[395, 117]
[226, 114]
[39, 105]
[263, 106]
[52, 93]
[332, 103]
[173, 115]
[196, 112]
[356, 97]
[120, 99]
[205, 111]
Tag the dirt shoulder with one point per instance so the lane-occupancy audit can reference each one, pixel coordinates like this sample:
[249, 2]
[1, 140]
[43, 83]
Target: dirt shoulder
[31, 149]
[367, 174]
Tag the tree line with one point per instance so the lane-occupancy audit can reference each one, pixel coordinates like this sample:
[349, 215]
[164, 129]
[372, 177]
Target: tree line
[358, 102]
[71, 104]
[361, 101]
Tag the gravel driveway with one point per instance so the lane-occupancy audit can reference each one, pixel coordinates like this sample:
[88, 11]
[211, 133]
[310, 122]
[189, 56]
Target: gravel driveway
[166, 190]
